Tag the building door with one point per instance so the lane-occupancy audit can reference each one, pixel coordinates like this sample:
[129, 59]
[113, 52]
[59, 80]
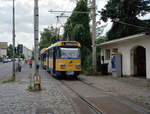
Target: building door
[140, 62]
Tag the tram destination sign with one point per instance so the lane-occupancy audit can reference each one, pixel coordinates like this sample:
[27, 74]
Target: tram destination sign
[70, 44]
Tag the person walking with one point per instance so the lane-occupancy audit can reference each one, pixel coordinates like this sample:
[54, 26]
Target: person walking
[30, 63]
[19, 65]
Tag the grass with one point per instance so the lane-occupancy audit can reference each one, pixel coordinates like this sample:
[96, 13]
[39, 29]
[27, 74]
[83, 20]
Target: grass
[33, 89]
[9, 80]
[147, 85]
[91, 73]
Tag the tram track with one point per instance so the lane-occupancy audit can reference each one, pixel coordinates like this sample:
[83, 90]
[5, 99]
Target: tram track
[93, 108]
[137, 108]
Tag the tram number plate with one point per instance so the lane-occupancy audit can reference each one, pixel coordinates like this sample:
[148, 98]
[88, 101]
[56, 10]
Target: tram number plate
[70, 72]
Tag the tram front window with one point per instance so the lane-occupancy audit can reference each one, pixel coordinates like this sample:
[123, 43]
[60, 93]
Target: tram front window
[68, 53]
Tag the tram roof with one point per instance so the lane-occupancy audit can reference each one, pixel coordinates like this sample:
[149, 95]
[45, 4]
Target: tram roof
[60, 43]
[43, 50]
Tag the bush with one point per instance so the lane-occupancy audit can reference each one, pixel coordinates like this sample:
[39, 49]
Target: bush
[9, 80]
[86, 58]
[87, 61]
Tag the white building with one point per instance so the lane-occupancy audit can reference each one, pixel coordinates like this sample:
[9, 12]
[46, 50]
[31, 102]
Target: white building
[135, 51]
[3, 48]
[27, 53]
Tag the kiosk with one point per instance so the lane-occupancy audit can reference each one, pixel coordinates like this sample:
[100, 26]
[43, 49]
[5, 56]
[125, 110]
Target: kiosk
[116, 63]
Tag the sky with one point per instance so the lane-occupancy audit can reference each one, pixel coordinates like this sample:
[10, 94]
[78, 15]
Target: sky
[24, 18]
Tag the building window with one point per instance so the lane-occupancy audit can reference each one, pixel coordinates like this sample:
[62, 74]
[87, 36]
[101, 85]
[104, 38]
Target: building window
[115, 50]
[107, 54]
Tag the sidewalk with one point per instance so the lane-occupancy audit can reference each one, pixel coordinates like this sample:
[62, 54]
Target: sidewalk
[136, 90]
[15, 99]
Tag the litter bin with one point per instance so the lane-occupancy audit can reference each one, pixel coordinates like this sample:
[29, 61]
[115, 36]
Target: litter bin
[116, 63]
[104, 68]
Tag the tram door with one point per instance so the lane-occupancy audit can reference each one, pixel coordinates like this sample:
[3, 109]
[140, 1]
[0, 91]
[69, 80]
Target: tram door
[48, 60]
[140, 61]
[54, 60]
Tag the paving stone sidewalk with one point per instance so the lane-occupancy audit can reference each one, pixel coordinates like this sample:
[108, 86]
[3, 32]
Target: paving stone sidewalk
[16, 99]
[131, 88]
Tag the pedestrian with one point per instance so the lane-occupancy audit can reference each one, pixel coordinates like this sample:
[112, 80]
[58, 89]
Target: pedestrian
[26, 61]
[30, 63]
[19, 65]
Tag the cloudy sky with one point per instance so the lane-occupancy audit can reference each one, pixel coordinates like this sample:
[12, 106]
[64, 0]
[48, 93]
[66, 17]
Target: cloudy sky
[24, 18]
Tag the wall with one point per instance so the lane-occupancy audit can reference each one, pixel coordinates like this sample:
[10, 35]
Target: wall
[3, 52]
[27, 53]
[126, 48]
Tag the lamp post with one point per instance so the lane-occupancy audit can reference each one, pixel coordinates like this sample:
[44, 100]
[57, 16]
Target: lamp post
[13, 34]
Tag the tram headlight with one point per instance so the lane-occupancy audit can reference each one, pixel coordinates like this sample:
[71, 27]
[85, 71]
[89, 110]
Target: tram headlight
[62, 66]
[78, 66]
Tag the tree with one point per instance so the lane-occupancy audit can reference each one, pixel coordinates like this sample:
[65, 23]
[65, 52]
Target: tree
[48, 37]
[10, 51]
[126, 11]
[101, 39]
[100, 30]
[77, 28]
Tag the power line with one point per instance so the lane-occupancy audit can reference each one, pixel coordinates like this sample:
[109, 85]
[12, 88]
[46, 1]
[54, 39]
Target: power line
[57, 11]
[121, 22]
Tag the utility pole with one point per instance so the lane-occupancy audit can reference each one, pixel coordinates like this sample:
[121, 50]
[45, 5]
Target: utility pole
[13, 34]
[94, 36]
[58, 29]
[78, 12]
[37, 80]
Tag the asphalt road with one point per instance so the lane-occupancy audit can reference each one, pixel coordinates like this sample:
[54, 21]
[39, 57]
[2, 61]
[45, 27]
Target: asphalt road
[5, 69]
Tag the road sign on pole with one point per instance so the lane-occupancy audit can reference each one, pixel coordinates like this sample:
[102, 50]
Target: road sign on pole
[20, 49]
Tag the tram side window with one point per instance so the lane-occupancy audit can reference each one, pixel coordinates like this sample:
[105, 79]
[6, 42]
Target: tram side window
[51, 53]
[44, 57]
[58, 52]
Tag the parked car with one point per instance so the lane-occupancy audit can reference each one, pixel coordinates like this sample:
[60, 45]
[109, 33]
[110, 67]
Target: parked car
[5, 60]
[9, 60]
[1, 59]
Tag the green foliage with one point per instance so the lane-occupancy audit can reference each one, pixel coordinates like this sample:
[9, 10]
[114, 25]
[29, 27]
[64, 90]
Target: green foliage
[86, 57]
[126, 11]
[10, 51]
[9, 80]
[100, 30]
[101, 39]
[32, 55]
[98, 58]
[48, 37]
[22, 56]
[77, 28]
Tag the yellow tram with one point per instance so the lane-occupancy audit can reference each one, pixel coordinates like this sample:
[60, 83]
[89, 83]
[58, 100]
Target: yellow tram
[43, 58]
[63, 58]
